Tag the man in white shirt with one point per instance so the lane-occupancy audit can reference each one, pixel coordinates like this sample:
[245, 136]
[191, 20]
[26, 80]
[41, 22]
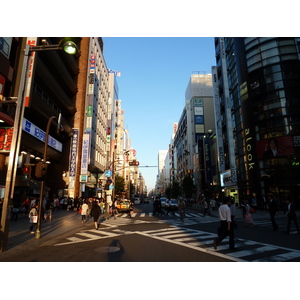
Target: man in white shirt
[225, 228]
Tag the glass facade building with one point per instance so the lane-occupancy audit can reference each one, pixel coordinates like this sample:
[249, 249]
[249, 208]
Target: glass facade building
[264, 87]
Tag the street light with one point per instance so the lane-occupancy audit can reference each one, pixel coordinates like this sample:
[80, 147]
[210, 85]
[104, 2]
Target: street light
[17, 133]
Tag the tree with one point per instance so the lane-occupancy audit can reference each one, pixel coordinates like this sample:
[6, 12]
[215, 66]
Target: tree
[119, 184]
[188, 186]
[176, 189]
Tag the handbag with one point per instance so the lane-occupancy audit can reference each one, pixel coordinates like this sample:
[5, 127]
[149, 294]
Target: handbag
[33, 219]
[248, 218]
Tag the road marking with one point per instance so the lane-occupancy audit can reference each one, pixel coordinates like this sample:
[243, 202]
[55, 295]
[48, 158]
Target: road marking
[197, 248]
[205, 240]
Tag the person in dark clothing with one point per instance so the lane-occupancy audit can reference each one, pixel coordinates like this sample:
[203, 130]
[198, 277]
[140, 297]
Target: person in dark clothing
[15, 210]
[291, 214]
[95, 213]
[273, 209]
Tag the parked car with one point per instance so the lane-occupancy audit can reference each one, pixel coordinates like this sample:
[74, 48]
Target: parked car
[137, 201]
[123, 205]
[174, 204]
[146, 200]
[163, 201]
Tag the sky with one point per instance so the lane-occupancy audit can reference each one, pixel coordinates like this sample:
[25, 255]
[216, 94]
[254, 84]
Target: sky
[155, 72]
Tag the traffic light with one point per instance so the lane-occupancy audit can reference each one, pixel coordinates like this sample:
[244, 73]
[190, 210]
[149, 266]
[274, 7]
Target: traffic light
[40, 169]
[26, 172]
[134, 163]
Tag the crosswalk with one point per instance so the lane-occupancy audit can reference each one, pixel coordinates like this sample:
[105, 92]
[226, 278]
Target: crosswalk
[88, 235]
[189, 219]
[247, 250]
[281, 222]
[202, 241]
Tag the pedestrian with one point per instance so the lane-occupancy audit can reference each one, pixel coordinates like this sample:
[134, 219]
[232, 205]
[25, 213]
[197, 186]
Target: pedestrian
[102, 205]
[233, 212]
[33, 217]
[155, 206]
[181, 208]
[225, 229]
[264, 204]
[49, 210]
[291, 215]
[15, 210]
[131, 209]
[169, 208]
[205, 207]
[95, 213]
[248, 216]
[273, 209]
[84, 211]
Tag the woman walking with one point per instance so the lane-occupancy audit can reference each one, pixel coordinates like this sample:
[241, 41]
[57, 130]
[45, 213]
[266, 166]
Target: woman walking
[33, 215]
[248, 216]
[84, 211]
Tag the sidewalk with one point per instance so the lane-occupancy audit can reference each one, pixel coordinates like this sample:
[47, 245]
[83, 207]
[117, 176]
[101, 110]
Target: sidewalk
[20, 239]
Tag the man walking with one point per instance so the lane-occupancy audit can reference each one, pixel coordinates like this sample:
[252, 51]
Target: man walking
[273, 211]
[225, 228]
[291, 214]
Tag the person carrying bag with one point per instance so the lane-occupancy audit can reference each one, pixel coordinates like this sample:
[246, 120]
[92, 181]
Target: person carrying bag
[33, 216]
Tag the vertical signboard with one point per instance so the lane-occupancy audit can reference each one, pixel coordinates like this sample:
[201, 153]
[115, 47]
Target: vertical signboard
[73, 161]
[218, 121]
[85, 154]
[32, 42]
[229, 125]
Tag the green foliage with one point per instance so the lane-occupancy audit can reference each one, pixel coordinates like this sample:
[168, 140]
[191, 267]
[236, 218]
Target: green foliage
[119, 184]
[176, 189]
[188, 186]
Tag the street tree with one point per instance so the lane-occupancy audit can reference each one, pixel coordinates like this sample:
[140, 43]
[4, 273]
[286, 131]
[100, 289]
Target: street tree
[188, 186]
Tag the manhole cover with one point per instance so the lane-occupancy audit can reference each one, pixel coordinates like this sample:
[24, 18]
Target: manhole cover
[107, 249]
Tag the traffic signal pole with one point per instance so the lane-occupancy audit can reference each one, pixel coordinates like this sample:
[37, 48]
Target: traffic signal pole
[13, 156]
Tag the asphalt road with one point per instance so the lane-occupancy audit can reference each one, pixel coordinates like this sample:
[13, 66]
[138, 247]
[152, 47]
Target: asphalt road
[148, 238]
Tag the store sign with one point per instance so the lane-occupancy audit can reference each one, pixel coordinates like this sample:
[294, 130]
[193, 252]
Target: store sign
[41, 135]
[85, 154]
[6, 134]
[73, 159]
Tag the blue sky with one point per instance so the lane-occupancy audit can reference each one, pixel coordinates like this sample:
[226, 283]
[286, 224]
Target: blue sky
[154, 76]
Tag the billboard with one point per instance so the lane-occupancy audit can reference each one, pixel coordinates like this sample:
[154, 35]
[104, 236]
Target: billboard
[275, 147]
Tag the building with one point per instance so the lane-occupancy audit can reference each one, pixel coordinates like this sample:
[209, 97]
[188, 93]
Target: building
[50, 94]
[196, 121]
[88, 153]
[262, 76]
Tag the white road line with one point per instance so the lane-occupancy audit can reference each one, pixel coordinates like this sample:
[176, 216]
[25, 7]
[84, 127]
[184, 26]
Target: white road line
[142, 215]
[88, 235]
[73, 239]
[200, 249]
[279, 257]
[259, 249]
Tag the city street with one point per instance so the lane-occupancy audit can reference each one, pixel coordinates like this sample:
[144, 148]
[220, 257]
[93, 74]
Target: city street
[148, 238]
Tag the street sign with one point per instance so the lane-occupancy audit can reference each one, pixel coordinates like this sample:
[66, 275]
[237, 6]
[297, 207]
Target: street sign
[108, 173]
[111, 187]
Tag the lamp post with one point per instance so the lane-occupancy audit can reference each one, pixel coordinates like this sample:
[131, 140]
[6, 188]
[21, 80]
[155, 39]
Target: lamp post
[38, 230]
[65, 45]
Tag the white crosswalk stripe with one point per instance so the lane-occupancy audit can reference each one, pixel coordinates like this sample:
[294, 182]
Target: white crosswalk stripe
[247, 250]
[88, 235]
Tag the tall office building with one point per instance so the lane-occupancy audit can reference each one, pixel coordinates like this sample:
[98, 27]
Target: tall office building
[257, 81]
[88, 157]
[197, 119]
